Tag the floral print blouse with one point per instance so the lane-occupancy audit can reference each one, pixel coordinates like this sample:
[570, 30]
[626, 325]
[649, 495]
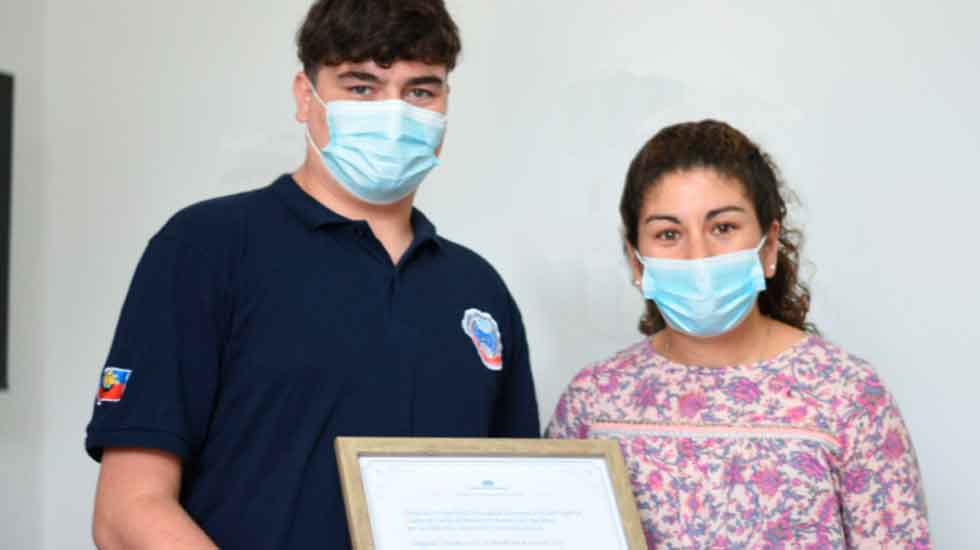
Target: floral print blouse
[806, 450]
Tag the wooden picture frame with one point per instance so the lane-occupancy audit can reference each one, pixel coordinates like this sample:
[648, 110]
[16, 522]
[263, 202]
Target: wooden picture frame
[499, 453]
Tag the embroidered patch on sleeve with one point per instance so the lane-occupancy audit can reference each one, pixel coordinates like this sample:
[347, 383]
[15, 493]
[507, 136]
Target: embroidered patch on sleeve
[113, 384]
[485, 335]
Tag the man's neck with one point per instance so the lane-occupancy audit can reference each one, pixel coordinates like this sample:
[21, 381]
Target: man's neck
[390, 223]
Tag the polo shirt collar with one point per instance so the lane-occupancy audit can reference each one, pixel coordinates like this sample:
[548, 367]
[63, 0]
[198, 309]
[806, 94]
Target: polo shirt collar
[315, 215]
[423, 229]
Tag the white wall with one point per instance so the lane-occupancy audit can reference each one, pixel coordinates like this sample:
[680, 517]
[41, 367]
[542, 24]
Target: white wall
[25, 407]
[148, 106]
[869, 107]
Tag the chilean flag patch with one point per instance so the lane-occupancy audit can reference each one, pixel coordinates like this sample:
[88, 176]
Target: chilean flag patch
[113, 384]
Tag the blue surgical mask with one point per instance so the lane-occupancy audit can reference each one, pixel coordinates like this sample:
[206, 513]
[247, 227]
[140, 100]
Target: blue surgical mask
[380, 151]
[707, 296]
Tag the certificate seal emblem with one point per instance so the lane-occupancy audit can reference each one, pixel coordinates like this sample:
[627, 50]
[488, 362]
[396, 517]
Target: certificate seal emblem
[485, 335]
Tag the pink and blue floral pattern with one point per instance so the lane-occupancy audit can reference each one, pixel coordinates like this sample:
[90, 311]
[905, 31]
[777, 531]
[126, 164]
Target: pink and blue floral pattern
[807, 450]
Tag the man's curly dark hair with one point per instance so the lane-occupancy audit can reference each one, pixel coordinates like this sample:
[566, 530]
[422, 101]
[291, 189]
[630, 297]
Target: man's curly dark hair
[384, 31]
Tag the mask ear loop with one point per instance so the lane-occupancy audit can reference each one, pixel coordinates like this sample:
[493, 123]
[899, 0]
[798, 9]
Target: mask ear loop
[309, 136]
[638, 282]
[313, 91]
[772, 266]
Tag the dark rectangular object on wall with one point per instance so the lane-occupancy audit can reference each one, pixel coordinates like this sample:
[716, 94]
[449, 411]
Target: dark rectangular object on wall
[6, 175]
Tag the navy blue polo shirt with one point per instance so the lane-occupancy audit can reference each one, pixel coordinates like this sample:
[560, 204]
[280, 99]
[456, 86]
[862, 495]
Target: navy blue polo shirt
[260, 326]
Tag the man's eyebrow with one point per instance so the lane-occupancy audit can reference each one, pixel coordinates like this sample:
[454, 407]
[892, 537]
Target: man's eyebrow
[358, 75]
[722, 210]
[428, 79]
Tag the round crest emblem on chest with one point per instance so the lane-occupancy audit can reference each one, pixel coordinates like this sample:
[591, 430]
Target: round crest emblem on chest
[485, 335]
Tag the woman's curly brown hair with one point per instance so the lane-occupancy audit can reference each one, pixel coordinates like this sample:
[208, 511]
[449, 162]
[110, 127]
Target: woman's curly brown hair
[717, 146]
[385, 31]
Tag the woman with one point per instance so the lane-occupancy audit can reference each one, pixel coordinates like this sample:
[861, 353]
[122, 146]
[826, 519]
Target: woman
[741, 427]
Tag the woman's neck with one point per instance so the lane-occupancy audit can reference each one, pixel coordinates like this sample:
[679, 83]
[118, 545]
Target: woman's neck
[749, 342]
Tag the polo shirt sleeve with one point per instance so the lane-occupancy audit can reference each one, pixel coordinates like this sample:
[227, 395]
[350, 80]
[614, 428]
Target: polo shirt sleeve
[159, 383]
[516, 413]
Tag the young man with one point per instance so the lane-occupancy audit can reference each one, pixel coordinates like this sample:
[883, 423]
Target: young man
[261, 326]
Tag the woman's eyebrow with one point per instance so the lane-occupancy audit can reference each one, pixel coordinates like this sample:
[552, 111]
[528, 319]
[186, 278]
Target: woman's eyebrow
[661, 217]
[711, 214]
[719, 211]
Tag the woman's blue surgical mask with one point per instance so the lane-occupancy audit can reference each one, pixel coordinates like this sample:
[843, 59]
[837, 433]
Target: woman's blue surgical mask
[707, 296]
[380, 151]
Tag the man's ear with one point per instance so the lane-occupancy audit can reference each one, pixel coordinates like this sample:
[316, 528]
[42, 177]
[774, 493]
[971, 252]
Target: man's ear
[303, 96]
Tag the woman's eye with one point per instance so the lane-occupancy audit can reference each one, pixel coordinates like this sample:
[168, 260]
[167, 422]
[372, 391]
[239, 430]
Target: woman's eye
[667, 235]
[723, 228]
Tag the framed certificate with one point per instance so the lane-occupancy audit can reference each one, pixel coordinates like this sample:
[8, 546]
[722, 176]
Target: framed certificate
[499, 494]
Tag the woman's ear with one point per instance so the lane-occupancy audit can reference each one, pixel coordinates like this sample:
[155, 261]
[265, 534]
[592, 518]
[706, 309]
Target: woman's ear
[636, 268]
[770, 251]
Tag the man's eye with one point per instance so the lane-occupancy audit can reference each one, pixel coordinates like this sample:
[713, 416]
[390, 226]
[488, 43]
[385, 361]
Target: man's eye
[420, 93]
[359, 90]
